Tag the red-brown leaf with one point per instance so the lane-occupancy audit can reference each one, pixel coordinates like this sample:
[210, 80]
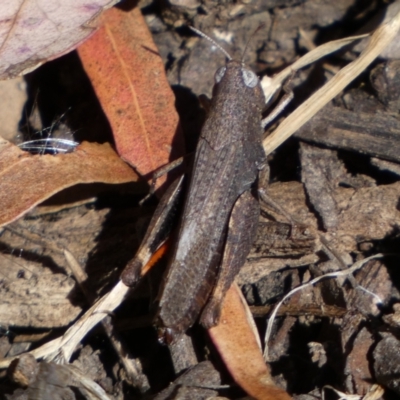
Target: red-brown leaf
[128, 76]
[27, 180]
[236, 342]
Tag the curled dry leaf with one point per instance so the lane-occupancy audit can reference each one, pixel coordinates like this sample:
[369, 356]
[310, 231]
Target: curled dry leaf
[41, 176]
[128, 76]
[35, 31]
[237, 343]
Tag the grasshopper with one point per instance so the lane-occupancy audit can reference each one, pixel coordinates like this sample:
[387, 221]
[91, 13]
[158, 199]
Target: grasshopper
[221, 210]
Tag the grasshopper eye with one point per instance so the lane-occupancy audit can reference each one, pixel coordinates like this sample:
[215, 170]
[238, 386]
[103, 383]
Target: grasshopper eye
[219, 74]
[249, 78]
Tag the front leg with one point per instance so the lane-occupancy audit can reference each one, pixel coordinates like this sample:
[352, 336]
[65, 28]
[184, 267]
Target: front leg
[242, 229]
[157, 233]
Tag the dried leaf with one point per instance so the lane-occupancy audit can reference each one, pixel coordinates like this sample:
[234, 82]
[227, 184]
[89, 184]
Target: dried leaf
[27, 180]
[33, 31]
[128, 76]
[237, 343]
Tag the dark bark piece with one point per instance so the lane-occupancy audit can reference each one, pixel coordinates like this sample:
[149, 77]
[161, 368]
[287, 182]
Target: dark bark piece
[44, 381]
[374, 278]
[331, 289]
[357, 366]
[295, 202]
[369, 213]
[377, 135]
[182, 353]
[192, 393]
[358, 341]
[52, 381]
[387, 362]
[24, 370]
[5, 344]
[320, 172]
[280, 343]
[278, 239]
[359, 101]
[385, 79]
[255, 270]
[278, 245]
[270, 288]
[193, 384]
[349, 328]
[90, 364]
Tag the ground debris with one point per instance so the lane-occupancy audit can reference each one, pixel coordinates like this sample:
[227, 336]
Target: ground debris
[337, 185]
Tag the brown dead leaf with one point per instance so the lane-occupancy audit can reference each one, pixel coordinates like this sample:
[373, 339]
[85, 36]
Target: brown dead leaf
[237, 344]
[33, 32]
[27, 180]
[128, 76]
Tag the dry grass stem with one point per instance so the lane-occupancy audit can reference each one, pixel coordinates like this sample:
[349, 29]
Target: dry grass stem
[379, 40]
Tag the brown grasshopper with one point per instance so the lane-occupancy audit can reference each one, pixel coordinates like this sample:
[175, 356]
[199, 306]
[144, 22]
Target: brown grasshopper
[221, 210]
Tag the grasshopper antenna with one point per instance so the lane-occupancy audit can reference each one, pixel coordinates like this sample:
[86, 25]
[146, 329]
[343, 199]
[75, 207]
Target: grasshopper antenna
[250, 38]
[200, 33]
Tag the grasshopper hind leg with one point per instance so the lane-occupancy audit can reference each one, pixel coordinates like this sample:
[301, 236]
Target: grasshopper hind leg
[242, 229]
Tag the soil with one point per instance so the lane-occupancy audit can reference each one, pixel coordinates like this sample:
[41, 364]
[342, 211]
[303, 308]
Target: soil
[336, 185]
